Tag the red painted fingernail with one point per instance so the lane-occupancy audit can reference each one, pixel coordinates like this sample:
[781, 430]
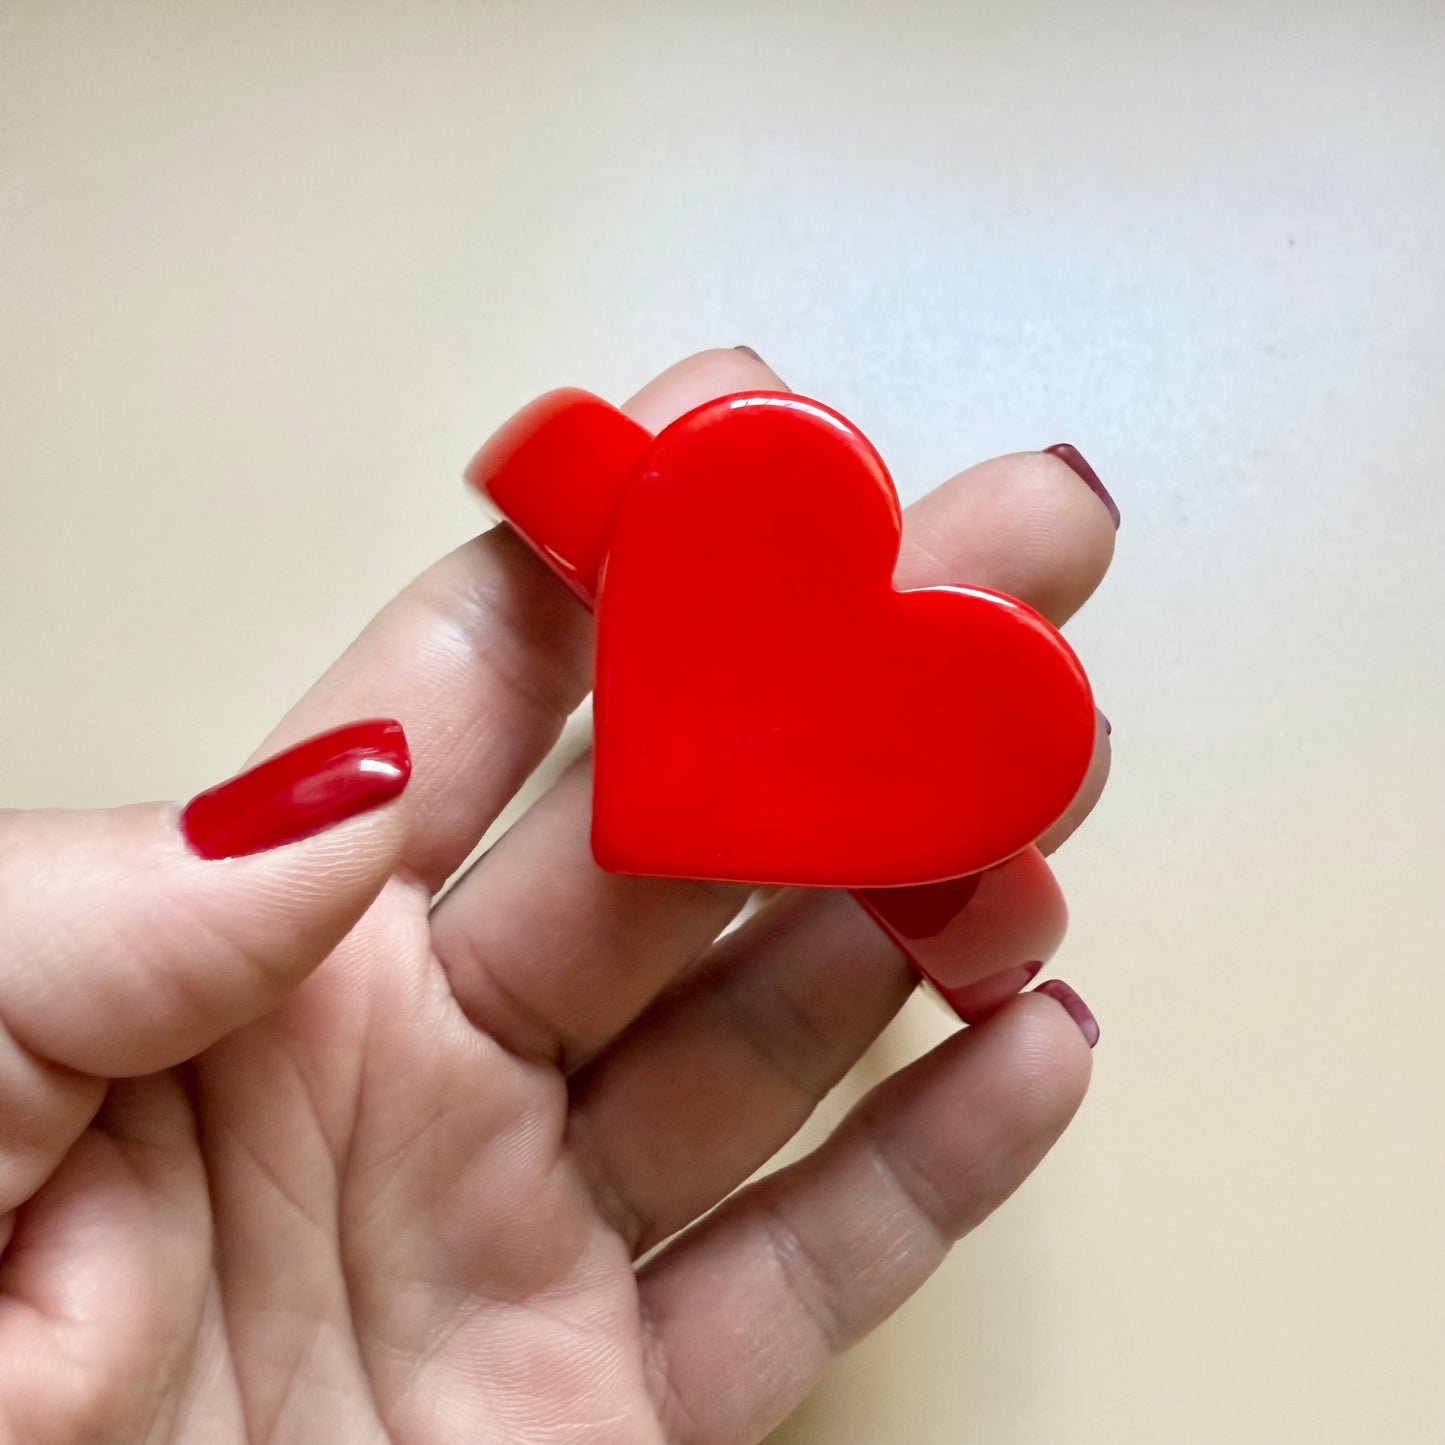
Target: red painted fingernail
[1072, 458]
[303, 791]
[1108, 726]
[1074, 1006]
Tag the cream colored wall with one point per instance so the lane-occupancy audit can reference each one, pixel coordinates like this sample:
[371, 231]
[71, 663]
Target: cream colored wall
[271, 271]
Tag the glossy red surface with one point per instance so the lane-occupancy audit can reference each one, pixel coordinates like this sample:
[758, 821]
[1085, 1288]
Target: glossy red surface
[770, 709]
[300, 792]
[976, 937]
[557, 471]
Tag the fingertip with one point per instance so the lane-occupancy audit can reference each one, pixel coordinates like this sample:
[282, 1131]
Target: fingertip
[748, 351]
[1022, 524]
[1091, 527]
[1049, 1060]
[700, 377]
[1078, 1011]
[1072, 457]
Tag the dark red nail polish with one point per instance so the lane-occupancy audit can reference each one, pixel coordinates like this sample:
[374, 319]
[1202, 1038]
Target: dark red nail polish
[1071, 457]
[1074, 1006]
[303, 791]
[1108, 726]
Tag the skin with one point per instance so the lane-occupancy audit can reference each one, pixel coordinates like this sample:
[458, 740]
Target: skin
[290, 1151]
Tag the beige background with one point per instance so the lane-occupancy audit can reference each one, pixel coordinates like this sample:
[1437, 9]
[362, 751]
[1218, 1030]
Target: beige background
[271, 270]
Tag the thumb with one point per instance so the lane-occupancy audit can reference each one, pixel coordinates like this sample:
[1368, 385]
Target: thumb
[135, 937]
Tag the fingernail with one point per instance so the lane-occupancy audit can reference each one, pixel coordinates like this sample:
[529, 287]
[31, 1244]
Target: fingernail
[1108, 726]
[974, 1002]
[303, 791]
[1074, 1006]
[1073, 458]
[748, 351]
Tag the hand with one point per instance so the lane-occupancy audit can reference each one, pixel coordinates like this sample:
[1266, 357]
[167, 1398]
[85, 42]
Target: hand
[291, 1151]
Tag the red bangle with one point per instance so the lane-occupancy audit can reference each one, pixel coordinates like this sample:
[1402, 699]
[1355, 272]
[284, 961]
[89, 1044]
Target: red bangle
[769, 708]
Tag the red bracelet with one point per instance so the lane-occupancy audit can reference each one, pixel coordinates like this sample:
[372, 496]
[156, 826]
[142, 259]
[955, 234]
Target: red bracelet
[769, 708]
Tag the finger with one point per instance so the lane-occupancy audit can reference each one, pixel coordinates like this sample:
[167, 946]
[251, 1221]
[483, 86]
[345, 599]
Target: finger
[729, 1065]
[714, 1079]
[746, 1309]
[129, 946]
[544, 949]
[105, 1281]
[482, 657]
[574, 924]
[1024, 523]
[699, 378]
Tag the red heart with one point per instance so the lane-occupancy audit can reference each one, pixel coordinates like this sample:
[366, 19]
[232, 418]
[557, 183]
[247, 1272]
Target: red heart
[771, 709]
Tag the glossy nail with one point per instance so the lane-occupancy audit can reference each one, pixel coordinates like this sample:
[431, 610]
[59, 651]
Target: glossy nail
[1108, 726]
[300, 792]
[1072, 458]
[1074, 1006]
